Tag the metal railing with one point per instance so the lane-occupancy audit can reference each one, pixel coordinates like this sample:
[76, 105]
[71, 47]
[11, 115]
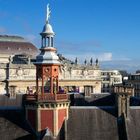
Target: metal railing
[47, 97]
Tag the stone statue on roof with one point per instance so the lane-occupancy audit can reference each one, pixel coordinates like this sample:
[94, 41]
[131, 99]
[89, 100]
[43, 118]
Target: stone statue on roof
[91, 61]
[97, 62]
[48, 13]
[76, 60]
[85, 62]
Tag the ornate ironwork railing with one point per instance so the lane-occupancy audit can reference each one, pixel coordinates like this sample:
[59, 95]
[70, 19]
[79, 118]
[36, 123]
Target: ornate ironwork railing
[47, 97]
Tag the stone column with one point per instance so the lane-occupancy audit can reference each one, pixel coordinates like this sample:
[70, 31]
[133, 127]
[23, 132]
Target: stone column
[66, 131]
[127, 106]
[38, 125]
[55, 113]
[119, 105]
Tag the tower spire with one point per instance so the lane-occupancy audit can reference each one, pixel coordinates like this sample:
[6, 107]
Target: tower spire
[47, 33]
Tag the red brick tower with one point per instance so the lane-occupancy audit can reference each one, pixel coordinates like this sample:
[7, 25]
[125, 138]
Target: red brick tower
[48, 107]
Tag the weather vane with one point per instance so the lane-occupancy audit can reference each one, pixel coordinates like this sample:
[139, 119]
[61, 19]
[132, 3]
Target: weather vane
[48, 13]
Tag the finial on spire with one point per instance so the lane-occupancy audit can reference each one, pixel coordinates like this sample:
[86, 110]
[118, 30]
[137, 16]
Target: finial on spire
[48, 13]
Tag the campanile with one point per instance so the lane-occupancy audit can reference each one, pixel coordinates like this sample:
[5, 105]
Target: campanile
[48, 107]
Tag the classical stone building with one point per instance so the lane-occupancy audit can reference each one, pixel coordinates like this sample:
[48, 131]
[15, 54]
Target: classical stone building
[16, 68]
[74, 77]
[17, 71]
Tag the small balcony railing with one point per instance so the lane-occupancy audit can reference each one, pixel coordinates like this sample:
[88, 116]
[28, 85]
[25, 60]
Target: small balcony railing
[47, 97]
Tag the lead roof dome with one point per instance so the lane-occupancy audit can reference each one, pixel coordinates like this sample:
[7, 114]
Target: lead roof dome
[13, 45]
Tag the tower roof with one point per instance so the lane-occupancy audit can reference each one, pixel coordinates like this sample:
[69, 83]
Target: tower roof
[47, 30]
[48, 52]
[48, 56]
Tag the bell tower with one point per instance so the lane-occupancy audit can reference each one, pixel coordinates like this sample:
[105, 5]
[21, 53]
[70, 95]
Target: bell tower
[47, 108]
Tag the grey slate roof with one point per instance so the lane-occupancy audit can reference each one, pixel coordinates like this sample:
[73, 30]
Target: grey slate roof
[92, 124]
[133, 124]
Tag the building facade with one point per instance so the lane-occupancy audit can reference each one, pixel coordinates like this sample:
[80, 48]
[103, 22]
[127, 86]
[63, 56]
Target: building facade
[109, 79]
[17, 71]
[134, 80]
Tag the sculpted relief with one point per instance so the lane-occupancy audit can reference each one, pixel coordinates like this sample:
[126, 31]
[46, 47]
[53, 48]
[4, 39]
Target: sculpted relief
[21, 73]
[67, 72]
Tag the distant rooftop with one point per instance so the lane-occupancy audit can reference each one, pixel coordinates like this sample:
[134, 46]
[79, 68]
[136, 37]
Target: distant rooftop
[12, 38]
[16, 45]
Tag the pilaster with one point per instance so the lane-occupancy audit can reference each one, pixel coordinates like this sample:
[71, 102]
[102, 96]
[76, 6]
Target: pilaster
[55, 111]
